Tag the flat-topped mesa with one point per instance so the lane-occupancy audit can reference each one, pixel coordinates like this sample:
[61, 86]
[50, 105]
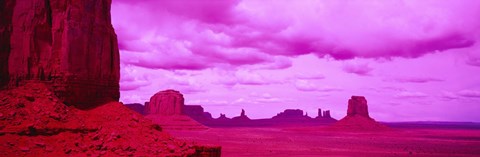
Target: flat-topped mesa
[289, 113]
[167, 109]
[357, 105]
[69, 45]
[166, 103]
[196, 112]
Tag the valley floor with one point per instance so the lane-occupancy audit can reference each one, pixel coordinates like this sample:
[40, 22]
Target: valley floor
[319, 141]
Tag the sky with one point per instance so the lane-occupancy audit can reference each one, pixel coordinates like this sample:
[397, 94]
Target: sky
[412, 60]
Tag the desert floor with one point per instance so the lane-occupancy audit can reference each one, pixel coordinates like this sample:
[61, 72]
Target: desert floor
[319, 141]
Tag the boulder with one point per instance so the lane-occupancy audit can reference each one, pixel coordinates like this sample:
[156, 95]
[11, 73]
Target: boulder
[71, 45]
[166, 103]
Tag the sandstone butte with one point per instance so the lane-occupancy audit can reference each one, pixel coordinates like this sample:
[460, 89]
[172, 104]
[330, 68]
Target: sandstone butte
[358, 118]
[59, 81]
[357, 105]
[166, 108]
[167, 103]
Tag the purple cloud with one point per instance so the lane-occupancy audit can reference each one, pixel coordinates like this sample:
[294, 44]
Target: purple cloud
[220, 50]
[410, 94]
[474, 62]
[417, 80]
[470, 93]
[361, 69]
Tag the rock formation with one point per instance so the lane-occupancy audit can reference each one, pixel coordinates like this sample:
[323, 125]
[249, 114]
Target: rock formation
[33, 122]
[357, 105]
[166, 108]
[290, 113]
[6, 11]
[326, 114]
[223, 117]
[357, 118]
[193, 110]
[166, 103]
[243, 117]
[196, 112]
[71, 45]
[55, 53]
[289, 117]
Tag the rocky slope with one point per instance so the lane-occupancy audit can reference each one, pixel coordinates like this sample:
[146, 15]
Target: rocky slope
[34, 122]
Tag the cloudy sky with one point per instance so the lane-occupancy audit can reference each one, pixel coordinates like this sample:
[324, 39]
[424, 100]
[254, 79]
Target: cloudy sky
[413, 60]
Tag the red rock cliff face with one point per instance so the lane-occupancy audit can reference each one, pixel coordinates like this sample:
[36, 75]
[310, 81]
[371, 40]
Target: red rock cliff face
[166, 103]
[5, 31]
[69, 44]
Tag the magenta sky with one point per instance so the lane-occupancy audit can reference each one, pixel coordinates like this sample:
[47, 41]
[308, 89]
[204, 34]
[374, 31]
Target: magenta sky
[413, 60]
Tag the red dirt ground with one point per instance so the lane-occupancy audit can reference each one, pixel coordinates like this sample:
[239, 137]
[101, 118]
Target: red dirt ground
[322, 141]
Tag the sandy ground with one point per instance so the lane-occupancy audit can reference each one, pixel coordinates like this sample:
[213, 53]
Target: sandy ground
[318, 141]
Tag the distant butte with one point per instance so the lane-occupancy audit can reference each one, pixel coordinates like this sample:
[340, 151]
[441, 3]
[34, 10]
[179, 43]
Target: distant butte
[242, 118]
[166, 103]
[357, 105]
[358, 118]
[289, 117]
[166, 108]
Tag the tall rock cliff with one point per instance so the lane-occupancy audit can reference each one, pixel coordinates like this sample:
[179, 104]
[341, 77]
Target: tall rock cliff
[71, 45]
[5, 31]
